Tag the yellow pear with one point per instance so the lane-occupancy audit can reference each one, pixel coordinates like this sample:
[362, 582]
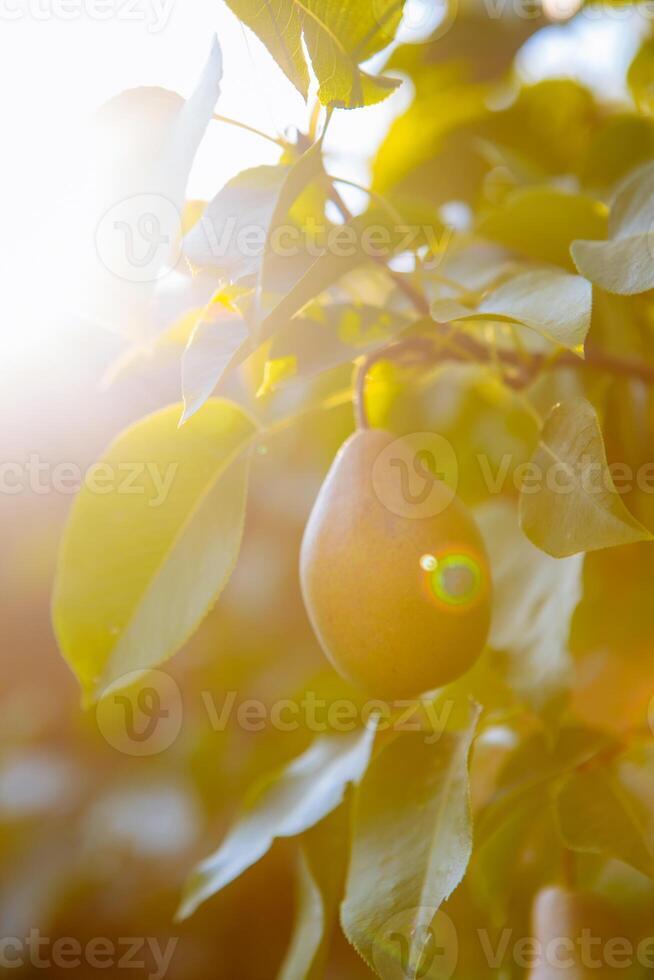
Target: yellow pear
[578, 936]
[395, 577]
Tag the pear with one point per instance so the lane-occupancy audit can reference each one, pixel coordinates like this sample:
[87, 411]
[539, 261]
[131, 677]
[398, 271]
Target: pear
[572, 930]
[398, 595]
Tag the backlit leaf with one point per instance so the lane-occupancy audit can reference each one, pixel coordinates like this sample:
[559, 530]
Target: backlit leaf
[219, 340]
[147, 141]
[573, 504]
[412, 839]
[339, 35]
[554, 304]
[286, 805]
[625, 263]
[151, 541]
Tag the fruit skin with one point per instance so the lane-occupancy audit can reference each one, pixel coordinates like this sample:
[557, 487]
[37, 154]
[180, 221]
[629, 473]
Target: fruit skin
[367, 596]
[560, 915]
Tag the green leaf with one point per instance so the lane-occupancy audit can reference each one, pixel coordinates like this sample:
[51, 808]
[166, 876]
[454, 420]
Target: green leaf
[574, 505]
[599, 815]
[534, 598]
[625, 263]
[322, 867]
[541, 223]
[339, 35]
[412, 838]
[554, 304]
[285, 805]
[219, 341]
[151, 542]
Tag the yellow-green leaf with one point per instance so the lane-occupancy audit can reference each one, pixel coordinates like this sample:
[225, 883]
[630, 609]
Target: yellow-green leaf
[285, 805]
[554, 304]
[572, 505]
[541, 223]
[625, 263]
[151, 541]
[412, 840]
[339, 35]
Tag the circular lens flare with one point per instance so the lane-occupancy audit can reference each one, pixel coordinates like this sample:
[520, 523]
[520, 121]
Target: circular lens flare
[455, 579]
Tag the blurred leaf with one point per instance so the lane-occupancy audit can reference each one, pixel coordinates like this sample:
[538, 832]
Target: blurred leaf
[625, 263]
[549, 123]
[151, 542]
[419, 139]
[537, 761]
[335, 334]
[218, 341]
[619, 144]
[534, 597]
[585, 512]
[598, 814]
[412, 838]
[640, 77]
[275, 372]
[339, 35]
[554, 304]
[542, 222]
[284, 805]
[147, 140]
[322, 867]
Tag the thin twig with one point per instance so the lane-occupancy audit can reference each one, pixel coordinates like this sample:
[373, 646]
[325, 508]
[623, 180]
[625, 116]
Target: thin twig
[249, 129]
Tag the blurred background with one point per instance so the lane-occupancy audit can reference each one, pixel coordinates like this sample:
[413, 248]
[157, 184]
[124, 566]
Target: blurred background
[93, 841]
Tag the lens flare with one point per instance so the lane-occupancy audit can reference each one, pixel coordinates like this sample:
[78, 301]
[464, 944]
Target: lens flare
[455, 579]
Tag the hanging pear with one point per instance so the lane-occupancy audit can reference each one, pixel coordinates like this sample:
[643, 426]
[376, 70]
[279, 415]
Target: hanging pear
[396, 585]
